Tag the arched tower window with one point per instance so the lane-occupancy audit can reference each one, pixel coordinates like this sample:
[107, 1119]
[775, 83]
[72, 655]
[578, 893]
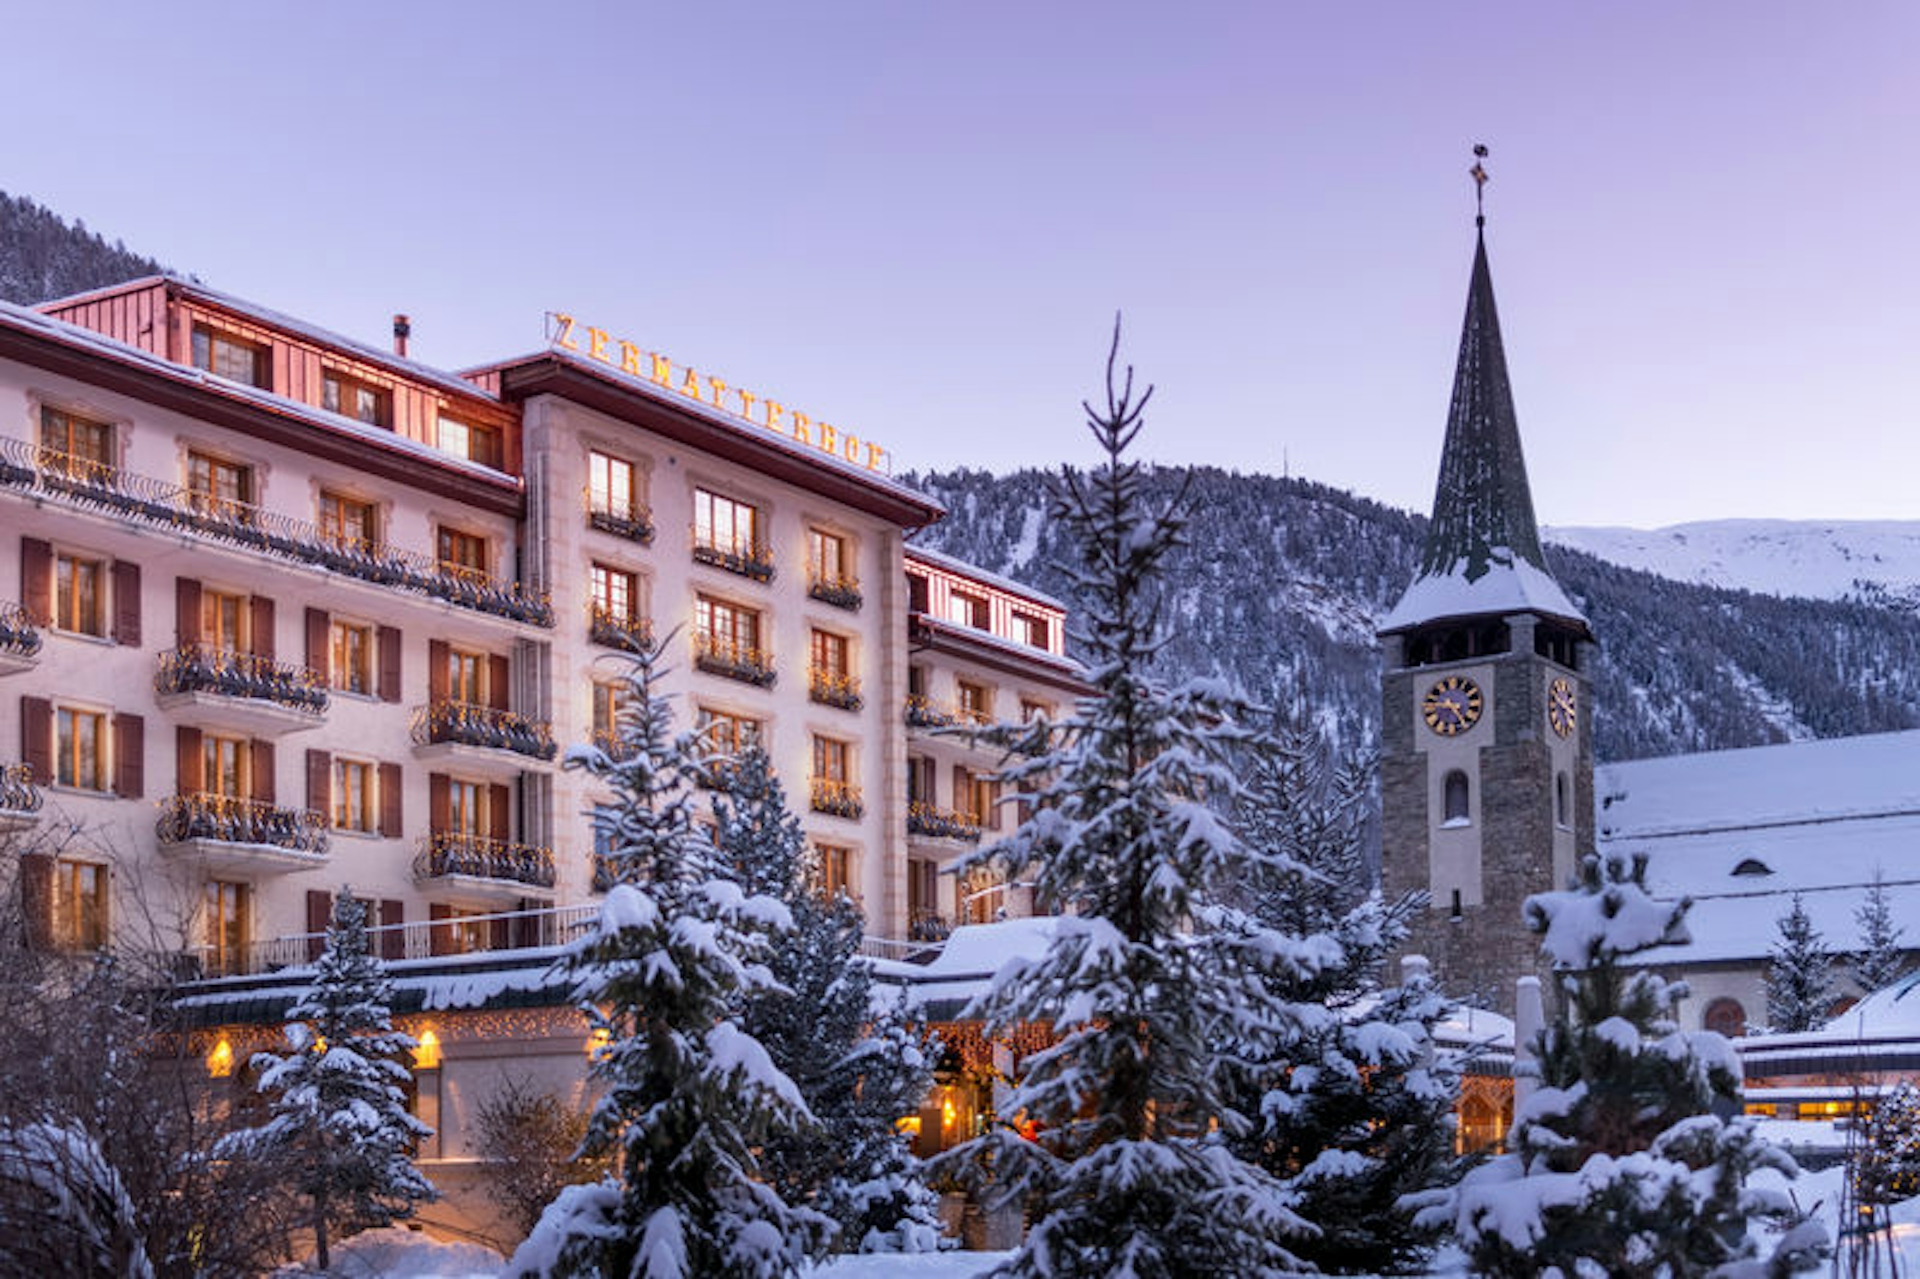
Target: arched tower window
[1456, 807]
[1725, 1017]
[1562, 800]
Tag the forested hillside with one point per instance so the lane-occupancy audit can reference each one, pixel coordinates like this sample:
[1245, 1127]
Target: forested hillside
[43, 257]
[1283, 579]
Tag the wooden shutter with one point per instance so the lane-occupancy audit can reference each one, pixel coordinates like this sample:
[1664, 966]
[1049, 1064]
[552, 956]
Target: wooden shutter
[440, 935]
[262, 609]
[499, 816]
[320, 644]
[186, 610]
[438, 802]
[320, 783]
[961, 798]
[126, 603]
[36, 737]
[36, 580]
[36, 899]
[393, 919]
[389, 663]
[436, 670]
[190, 766]
[260, 786]
[390, 811]
[499, 689]
[129, 756]
[319, 914]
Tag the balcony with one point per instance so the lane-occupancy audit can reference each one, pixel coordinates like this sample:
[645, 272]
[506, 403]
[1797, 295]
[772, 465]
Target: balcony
[923, 713]
[613, 630]
[19, 640]
[733, 555]
[933, 822]
[20, 799]
[220, 689]
[634, 523]
[836, 589]
[473, 865]
[422, 939]
[836, 798]
[241, 835]
[718, 656]
[482, 736]
[78, 482]
[834, 688]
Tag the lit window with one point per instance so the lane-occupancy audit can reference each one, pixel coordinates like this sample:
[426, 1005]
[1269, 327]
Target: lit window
[607, 699]
[230, 357]
[610, 489]
[347, 521]
[75, 445]
[353, 795]
[223, 621]
[350, 667]
[353, 398]
[80, 743]
[224, 760]
[969, 610]
[829, 654]
[79, 603]
[219, 487]
[829, 559]
[723, 524]
[976, 797]
[1030, 629]
[976, 701]
[724, 735]
[833, 866]
[830, 760]
[614, 592]
[468, 812]
[229, 922]
[80, 905]
[729, 626]
[462, 554]
[466, 676]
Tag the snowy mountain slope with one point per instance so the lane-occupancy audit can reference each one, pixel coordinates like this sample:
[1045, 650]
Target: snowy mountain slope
[1876, 561]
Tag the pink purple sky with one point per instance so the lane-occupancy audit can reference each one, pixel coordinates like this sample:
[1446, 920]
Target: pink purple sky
[916, 220]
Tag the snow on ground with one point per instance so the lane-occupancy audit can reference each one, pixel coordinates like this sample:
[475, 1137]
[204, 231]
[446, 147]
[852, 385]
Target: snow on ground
[924, 1265]
[395, 1252]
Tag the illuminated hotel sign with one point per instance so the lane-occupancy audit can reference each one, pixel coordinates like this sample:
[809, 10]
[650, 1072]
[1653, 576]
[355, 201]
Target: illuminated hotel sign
[770, 415]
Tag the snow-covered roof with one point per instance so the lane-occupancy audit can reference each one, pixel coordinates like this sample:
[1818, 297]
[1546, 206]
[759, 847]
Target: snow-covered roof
[444, 983]
[1509, 584]
[1883, 1020]
[967, 961]
[960, 567]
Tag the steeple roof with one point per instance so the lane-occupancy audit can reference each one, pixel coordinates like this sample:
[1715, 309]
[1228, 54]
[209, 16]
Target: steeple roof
[1482, 554]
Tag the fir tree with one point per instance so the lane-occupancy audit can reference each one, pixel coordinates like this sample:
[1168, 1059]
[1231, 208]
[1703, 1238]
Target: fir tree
[1881, 959]
[1619, 1165]
[1148, 980]
[1800, 975]
[1887, 1169]
[339, 1112]
[688, 1096]
[858, 1073]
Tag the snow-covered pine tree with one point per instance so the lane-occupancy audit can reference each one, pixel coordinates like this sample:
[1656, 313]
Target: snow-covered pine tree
[339, 1116]
[1148, 982]
[687, 1095]
[1881, 958]
[1800, 988]
[1887, 1169]
[1619, 1166]
[857, 1072]
[1354, 1111]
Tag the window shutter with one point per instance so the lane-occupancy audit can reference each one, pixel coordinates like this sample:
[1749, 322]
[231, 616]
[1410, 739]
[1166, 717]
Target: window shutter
[126, 603]
[36, 580]
[36, 737]
[390, 811]
[320, 783]
[261, 784]
[393, 918]
[262, 610]
[319, 914]
[36, 899]
[962, 801]
[499, 816]
[499, 689]
[438, 802]
[129, 756]
[436, 670]
[189, 766]
[186, 610]
[440, 934]
[389, 663]
[320, 644]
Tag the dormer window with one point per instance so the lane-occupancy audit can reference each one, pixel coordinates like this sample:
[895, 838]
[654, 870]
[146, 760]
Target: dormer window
[475, 443]
[1752, 868]
[225, 355]
[353, 398]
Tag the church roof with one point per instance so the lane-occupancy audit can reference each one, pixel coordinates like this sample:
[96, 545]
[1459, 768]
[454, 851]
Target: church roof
[1482, 554]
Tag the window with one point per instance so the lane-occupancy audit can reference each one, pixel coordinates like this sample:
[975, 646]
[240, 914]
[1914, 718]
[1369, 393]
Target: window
[828, 653]
[976, 701]
[462, 554]
[466, 676]
[219, 487]
[1457, 811]
[607, 698]
[350, 665]
[468, 812]
[723, 524]
[80, 905]
[1752, 866]
[920, 780]
[1725, 1017]
[615, 593]
[229, 921]
[916, 681]
[230, 357]
[78, 446]
[917, 592]
[832, 868]
[1030, 630]
[723, 734]
[224, 766]
[79, 594]
[353, 398]
[1562, 803]
[830, 760]
[610, 489]
[80, 745]
[346, 521]
[353, 806]
[969, 610]
[976, 796]
[1031, 710]
[730, 626]
[475, 443]
[223, 621]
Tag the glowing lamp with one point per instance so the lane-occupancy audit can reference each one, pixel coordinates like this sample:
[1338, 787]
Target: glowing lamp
[426, 1054]
[220, 1061]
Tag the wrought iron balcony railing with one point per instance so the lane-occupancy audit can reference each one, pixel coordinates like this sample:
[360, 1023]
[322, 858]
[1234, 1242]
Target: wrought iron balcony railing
[634, 522]
[464, 724]
[615, 630]
[85, 483]
[834, 688]
[836, 798]
[928, 926]
[719, 656]
[201, 668]
[837, 589]
[18, 794]
[922, 713]
[446, 853]
[19, 637]
[735, 555]
[941, 823]
[225, 819]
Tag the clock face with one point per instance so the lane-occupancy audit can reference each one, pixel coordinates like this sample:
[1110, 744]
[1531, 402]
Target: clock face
[1562, 711]
[1452, 706]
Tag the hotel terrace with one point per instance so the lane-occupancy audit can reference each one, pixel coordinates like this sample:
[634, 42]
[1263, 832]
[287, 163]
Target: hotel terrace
[283, 612]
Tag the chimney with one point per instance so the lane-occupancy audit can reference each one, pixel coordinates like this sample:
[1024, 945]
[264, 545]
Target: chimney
[402, 330]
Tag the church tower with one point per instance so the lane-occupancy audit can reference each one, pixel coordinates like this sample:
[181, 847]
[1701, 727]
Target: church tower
[1487, 742]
